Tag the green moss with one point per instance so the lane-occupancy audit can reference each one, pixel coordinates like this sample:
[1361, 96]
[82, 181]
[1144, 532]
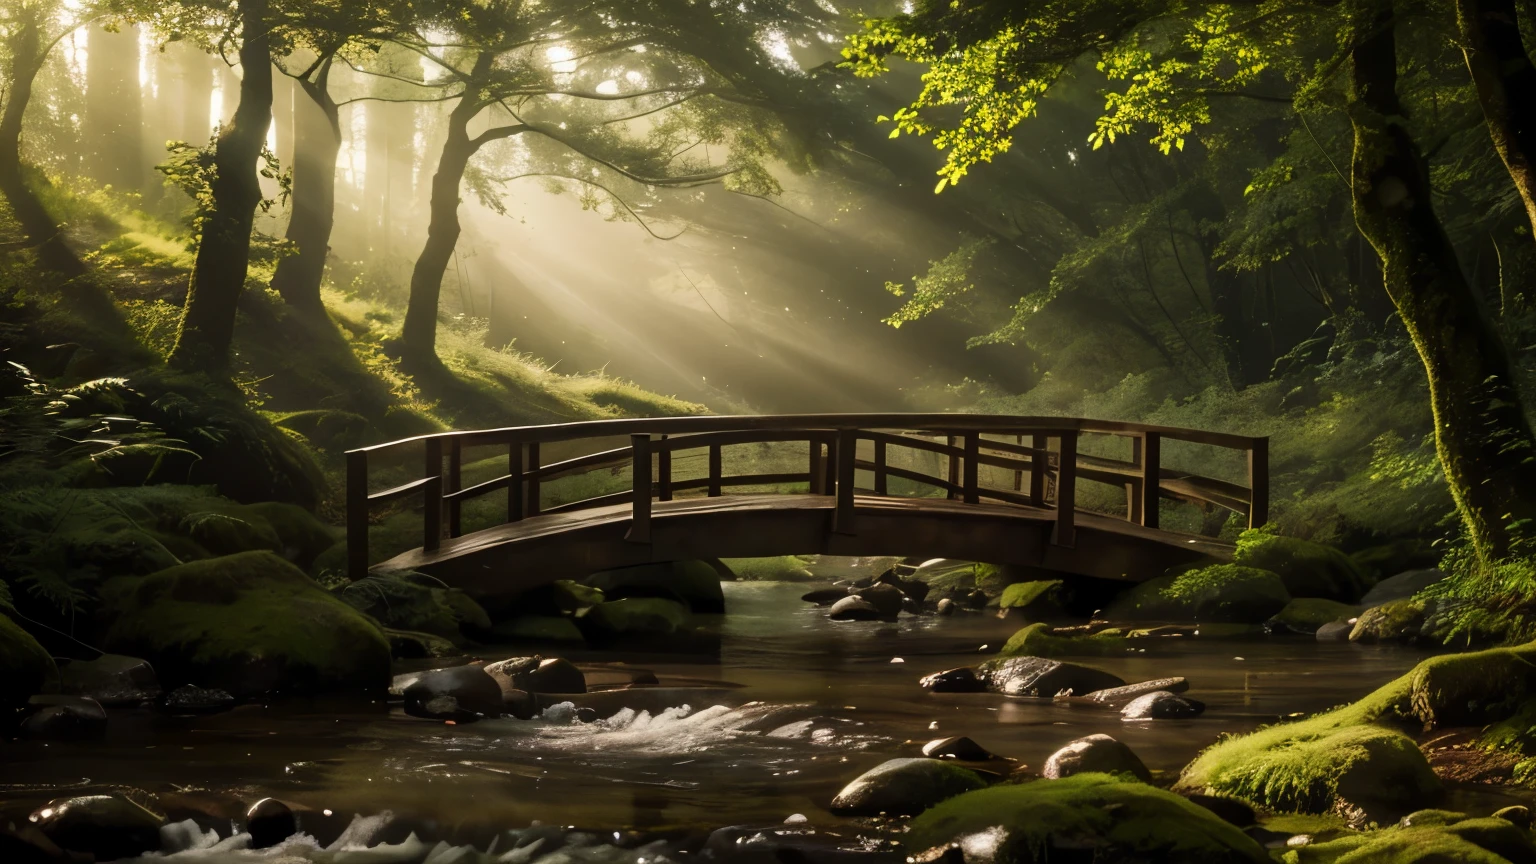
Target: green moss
[25, 668]
[227, 534]
[1310, 613]
[408, 601]
[694, 583]
[1119, 820]
[248, 623]
[302, 536]
[1399, 621]
[1036, 640]
[1031, 597]
[1453, 841]
[1308, 569]
[1223, 593]
[784, 568]
[644, 615]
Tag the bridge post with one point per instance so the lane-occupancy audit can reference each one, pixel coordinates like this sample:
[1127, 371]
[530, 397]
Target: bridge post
[357, 514]
[818, 478]
[1065, 533]
[516, 495]
[455, 483]
[971, 495]
[1258, 483]
[716, 469]
[1039, 465]
[881, 485]
[532, 507]
[664, 471]
[954, 469]
[432, 491]
[847, 454]
[1151, 478]
[640, 517]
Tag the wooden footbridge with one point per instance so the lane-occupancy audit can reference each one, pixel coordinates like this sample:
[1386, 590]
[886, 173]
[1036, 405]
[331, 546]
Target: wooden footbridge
[574, 498]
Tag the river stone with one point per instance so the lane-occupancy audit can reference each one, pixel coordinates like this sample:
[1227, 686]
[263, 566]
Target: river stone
[1117, 696]
[462, 694]
[537, 675]
[1399, 621]
[904, 787]
[1162, 705]
[106, 826]
[1233, 811]
[958, 747]
[1335, 631]
[854, 609]
[1402, 586]
[886, 598]
[270, 822]
[1099, 754]
[191, 699]
[914, 589]
[63, 718]
[824, 596]
[1040, 676]
[945, 607]
[112, 680]
[961, 680]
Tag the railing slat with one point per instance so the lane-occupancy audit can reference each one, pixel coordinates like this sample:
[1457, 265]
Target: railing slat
[663, 471]
[972, 440]
[879, 468]
[451, 488]
[640, 517]
[1039, 464]
[715, 470]
[432, 509]
[531, 502]
[1066, 492]
[516, 494]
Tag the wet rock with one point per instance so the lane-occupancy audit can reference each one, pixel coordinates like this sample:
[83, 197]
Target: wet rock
[519, 703]
[63, 718]
[586, 714]
[904, 787]
[824, 596]
[111, 679]
[695, 584]
[912, 607]
[1335, 631]
[1095, 754]
[886, 598]
[777, 844]
[1119, 696]
[1519, 814]
[415, 645]
[959, 747]
[1043, 677]
[537, 675]
[417, 603]
[946, 607]
[461, 694]
[961, 680]
[854, 609]
[975, 599]
[270, 822]
[25, 668]
[106, 826]
[1305, 615]
[1400, 621]
[1032, 601]
[915, 590]
[1403, 586]
[24, 844]
[197, 700]
[1162, 705]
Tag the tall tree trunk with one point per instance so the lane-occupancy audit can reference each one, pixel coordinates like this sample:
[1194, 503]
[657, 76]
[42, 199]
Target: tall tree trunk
[27, 54]
[1481, 433]
[317, 141]
[223, 253]
[1505, 81]
[113, 123]
[418, 337]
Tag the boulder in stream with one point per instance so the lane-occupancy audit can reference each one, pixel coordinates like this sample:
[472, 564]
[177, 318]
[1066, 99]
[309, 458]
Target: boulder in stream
[886, 598]
[1306, 569]
[460, 693]
[108, 827]
[1120, 696]
[1336, 631]
[958, 747]
[1399, 621]
[854, 608]
[824, 596]
[1162, 705]
[190, 699]
[1095, 754]
[1043, 677]
[959, 680]
[1219, 594]
[63, 718]
[270, 822]
[695, 584]
[537, 675]
[904, 787]
[112, 680]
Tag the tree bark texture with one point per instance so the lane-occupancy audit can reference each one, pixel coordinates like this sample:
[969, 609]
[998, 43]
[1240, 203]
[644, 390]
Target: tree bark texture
[223, 253]
[1505, 81]
[317, 141]
[26, 60]
[1481, 433]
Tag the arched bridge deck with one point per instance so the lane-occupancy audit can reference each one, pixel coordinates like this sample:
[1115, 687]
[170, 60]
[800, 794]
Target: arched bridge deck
[979, 487]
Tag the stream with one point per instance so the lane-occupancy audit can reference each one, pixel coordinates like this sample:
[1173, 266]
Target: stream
[794, 707]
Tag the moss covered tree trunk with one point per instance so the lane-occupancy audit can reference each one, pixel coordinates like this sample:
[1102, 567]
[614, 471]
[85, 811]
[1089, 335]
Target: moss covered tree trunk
[26, 55]
[317, 141]
[224, 249]
[1505, 80]
[1481, 432]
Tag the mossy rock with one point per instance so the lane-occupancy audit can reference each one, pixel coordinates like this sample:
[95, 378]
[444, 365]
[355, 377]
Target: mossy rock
[1033, 601]
[326, 429]
[1457, 841]
[302, 537]
[693, 583]
[784, 568]
[1308, 569]
[537, 628]
[248, 624]
[1222, 594]
[1390, 622]
[1048, 820]
[1035, 640]
[26, 670]
[642, 615]
[1306, 614]
[331, 562]
[228, 534]
[406, 600]
[561, 597]
[117, 548]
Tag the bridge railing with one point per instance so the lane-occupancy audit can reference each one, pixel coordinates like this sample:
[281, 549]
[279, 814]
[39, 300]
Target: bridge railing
[1038, 456]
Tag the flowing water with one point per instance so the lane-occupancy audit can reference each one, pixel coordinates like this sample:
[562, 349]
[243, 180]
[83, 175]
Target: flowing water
[793, 708]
